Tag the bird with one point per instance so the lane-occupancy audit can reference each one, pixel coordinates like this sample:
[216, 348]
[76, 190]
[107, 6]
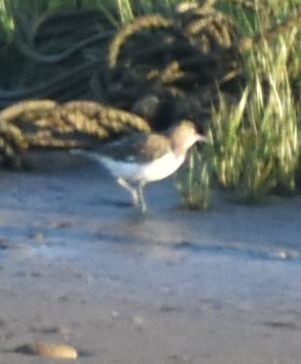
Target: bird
[140, 158]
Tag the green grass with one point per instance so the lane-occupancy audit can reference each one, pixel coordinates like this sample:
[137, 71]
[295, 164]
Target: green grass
[255, 144]
[194, 180]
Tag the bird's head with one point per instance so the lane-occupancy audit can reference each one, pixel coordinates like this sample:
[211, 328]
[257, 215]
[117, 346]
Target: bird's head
[183, 136]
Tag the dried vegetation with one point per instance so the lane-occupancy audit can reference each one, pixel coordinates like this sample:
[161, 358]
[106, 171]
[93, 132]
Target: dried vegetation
[190, 62]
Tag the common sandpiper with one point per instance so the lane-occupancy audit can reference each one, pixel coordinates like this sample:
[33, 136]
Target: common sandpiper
[140, 158]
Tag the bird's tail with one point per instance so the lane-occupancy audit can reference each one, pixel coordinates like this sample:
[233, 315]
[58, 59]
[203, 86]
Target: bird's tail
[86, 153]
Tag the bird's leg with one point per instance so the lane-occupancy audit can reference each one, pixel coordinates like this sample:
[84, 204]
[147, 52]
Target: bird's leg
[136, 192]
[141, 201]
[123, 183]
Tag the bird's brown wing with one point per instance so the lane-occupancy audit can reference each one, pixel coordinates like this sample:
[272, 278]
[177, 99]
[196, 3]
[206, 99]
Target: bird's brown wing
[140, 148]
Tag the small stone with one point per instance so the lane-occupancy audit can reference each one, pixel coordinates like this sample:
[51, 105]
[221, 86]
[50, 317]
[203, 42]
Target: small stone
[5, 244]
[115, 314]
[36, 274]
[54, 351]
[169, 308]
[138, 320]
[286, 254]
[180, 358]
[62, 224]
[39, 237]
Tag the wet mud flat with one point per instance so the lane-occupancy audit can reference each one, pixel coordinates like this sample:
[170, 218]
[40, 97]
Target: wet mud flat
[79, 266]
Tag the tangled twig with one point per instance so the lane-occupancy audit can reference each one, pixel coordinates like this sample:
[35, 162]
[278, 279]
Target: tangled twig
[152, 72]
[47, 124]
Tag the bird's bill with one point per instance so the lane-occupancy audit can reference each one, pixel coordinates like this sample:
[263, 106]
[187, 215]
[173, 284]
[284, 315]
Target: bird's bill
[201, 138]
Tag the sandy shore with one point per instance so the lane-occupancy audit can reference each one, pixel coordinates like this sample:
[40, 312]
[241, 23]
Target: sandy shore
[79, 266]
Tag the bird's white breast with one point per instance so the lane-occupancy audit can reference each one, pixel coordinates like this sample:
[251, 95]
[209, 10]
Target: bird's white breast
[147, 172]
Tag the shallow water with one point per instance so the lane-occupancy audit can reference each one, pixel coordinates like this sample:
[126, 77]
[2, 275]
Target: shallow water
[175, 286]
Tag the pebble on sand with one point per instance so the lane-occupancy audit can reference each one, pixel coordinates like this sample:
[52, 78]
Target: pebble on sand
[49, 350]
